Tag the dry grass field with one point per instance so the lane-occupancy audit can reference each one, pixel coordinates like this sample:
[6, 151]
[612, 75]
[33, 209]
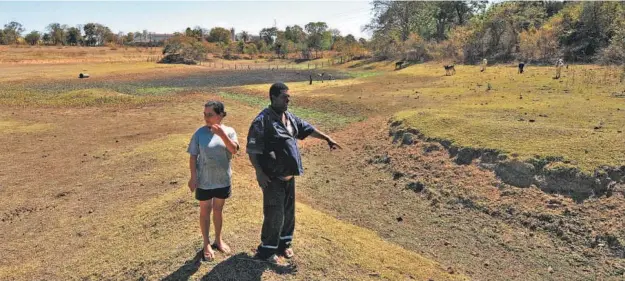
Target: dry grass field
[93, 184]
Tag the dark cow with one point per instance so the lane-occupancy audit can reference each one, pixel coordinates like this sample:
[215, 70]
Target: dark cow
[399, 64]
[449, 69]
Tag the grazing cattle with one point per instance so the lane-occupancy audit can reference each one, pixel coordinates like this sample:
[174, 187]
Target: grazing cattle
[449, 69]
[399, 64]
[521, 65]
[483, 65]
[559, 65]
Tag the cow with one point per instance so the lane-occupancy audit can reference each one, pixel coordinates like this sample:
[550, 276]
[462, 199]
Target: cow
[483, 65]
[399, 64]
[559, 65]
[449, 69]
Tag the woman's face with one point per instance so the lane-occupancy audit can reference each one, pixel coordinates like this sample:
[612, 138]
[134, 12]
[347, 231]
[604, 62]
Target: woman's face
[211, 117]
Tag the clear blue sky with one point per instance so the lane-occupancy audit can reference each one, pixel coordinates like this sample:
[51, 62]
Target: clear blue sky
[169, 17]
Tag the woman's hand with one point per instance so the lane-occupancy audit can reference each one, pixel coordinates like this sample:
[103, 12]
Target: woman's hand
[193, 184]
[218, 130]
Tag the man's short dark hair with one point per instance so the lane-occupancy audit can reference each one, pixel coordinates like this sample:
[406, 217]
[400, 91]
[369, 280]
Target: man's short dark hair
[217, 106]
[277, 88]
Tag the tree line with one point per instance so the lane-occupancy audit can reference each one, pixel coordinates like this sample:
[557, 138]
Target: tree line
[306, 42]
[460, 31]
[468, 31]
[56, 34]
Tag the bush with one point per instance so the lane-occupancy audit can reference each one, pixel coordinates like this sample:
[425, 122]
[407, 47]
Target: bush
[185, 50]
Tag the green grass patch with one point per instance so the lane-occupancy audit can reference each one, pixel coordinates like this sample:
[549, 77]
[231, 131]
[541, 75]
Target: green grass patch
[364, 74]
[157, 91]
[75, 98]
[328, 120]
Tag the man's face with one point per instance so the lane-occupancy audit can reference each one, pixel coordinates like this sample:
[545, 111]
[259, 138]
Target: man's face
[281, 101]
[210, 117]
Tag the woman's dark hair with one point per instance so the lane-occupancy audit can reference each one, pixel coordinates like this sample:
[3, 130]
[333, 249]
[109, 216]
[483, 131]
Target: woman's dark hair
[217, 106]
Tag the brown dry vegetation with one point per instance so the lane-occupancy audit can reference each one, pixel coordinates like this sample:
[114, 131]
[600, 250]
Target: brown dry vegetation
[56, 55]
[93, 184]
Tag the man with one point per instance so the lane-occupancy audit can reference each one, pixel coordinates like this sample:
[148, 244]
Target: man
[483, 65]
[273, 151]
[521, 66]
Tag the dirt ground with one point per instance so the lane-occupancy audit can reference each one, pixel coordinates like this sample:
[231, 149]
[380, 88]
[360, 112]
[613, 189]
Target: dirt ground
[99, 192]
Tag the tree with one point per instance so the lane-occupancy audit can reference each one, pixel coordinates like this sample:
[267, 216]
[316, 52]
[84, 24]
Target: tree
[46, 38]
[350, 39]
[448, 14]
[399, 19]
[106, 35]
[130, 37]
[219, 34]
[3, 39]
[90, 34]
[429, 20]
[268, 35]
[593, 30]
[318, 36]
[33, 37]
[283, 46]
[295, 34]
[196, 33]
[12, 32]
[73, 36]
[57, 33]
[244, 36]
[97, 34]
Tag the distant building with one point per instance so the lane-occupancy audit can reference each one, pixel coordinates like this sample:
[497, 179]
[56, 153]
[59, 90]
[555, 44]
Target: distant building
[254, 38]
[152, 37]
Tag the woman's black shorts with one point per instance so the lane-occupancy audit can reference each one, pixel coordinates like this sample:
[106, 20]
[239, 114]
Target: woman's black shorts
[207, 194]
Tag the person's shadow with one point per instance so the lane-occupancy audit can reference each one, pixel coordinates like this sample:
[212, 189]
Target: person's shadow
[238, 267]
[244, 267]
[186, 270]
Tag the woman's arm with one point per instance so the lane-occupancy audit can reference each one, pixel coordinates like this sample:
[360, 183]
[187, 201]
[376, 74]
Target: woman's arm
[193, 179]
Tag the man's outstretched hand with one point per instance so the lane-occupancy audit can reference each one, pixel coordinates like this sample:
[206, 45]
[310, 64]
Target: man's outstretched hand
[333, 145]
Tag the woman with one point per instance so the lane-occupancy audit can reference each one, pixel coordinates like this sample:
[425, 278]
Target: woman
[211, 149]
